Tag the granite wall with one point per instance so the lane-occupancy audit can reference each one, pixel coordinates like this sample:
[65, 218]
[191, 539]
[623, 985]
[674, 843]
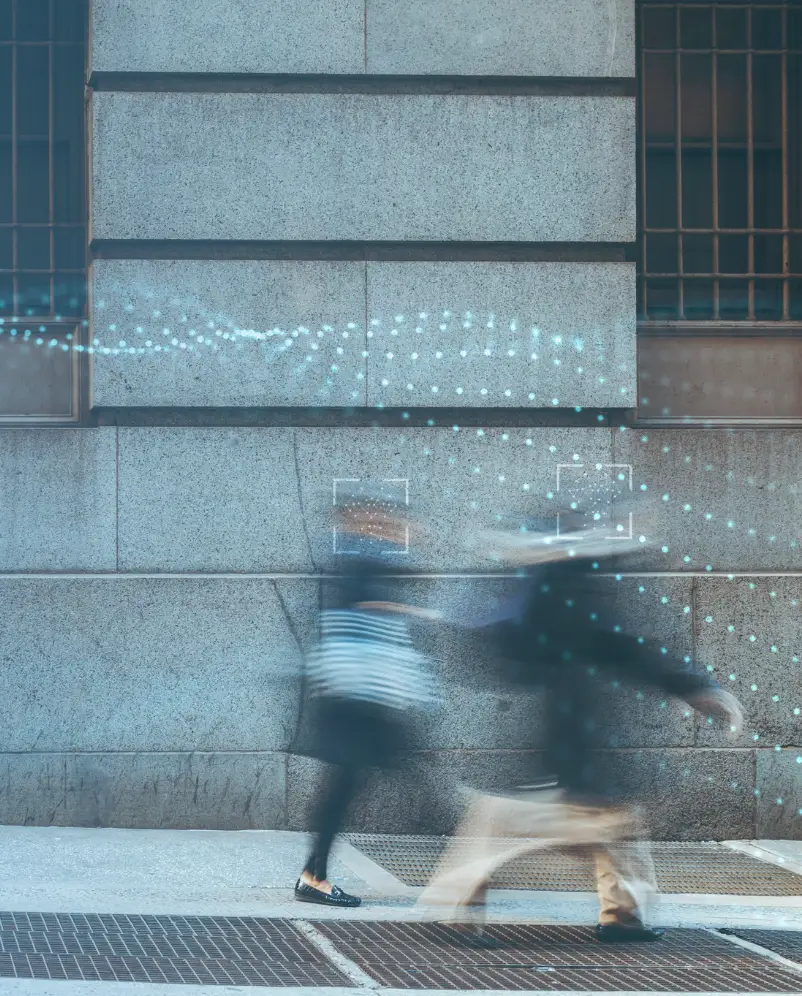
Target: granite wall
[312, 215]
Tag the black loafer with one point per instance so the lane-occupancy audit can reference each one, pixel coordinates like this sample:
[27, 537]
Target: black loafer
[623, 933]
[309, 894]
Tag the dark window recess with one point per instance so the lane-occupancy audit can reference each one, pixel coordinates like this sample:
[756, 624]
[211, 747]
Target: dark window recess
[42, 206]
[720, 210]
[720, 144]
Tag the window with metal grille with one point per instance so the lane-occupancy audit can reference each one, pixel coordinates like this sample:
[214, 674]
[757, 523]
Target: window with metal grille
[42, 208]
[720, 206]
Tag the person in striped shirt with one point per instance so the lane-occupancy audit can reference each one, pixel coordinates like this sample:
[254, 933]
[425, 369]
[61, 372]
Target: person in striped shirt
[365, 680]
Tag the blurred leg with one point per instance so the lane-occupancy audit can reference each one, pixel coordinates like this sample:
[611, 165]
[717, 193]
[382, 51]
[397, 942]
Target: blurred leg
[328, 818]
[625, 875]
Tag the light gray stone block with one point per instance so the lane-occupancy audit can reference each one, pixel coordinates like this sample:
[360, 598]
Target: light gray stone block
[458, 480]
[38, 373]
[689, 793]
[748, 629]
[58, 494]
[218, 36]
[256, 499]
[152, 664]
[347, 166]
[425, 797]
[504, 37]
[779, 805]
[227, 333]
[686, 794]
[721, 500]
[504, 335]
[210, 500]
[182, 791]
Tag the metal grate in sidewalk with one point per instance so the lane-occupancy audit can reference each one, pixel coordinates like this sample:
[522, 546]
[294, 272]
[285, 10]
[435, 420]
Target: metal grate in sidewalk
[701, 868]
[428, 956]
[786, 943]
[161, 949]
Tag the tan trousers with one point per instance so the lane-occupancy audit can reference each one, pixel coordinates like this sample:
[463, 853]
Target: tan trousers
[492, 834]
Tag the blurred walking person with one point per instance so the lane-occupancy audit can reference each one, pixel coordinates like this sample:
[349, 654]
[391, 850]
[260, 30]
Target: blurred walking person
[557, 632]
[366, 681]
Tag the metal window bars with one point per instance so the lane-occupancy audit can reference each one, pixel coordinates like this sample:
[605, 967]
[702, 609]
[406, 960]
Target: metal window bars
[720, 200]
[43, 206]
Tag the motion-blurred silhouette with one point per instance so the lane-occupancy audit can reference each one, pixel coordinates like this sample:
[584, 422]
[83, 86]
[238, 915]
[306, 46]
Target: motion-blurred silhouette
[366, 682]
[555, 632]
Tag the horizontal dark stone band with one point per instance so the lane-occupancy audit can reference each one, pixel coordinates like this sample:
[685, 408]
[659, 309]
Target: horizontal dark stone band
[363, 417]
[512, 86]
[578, 252]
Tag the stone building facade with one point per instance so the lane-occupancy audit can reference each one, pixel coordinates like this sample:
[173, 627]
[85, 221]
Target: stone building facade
[424, 242]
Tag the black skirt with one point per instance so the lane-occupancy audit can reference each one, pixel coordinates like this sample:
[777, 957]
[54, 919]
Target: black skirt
[353, 734]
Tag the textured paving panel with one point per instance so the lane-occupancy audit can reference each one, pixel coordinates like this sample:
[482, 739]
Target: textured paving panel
[704, 868]
[190, 950]
[421, 956]
[787, 943]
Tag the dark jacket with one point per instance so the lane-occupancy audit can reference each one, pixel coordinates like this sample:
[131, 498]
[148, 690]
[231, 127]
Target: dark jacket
[566, 638]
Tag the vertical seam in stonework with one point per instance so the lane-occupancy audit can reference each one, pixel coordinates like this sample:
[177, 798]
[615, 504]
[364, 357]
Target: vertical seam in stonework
[694, 651]
[117, 497]
[301, 500]
[612, 8]
[755, 798]
[365, 33]
[286, 819]
[294, 744]
[367, 344]
[287, 617]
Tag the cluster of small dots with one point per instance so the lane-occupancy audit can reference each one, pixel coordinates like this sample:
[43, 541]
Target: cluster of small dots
[531, 345]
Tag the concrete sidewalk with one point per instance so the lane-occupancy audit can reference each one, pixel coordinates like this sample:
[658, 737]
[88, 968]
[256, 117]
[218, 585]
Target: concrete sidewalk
[251, 874]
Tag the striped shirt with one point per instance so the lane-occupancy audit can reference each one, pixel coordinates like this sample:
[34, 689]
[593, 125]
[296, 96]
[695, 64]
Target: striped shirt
[369, 657]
